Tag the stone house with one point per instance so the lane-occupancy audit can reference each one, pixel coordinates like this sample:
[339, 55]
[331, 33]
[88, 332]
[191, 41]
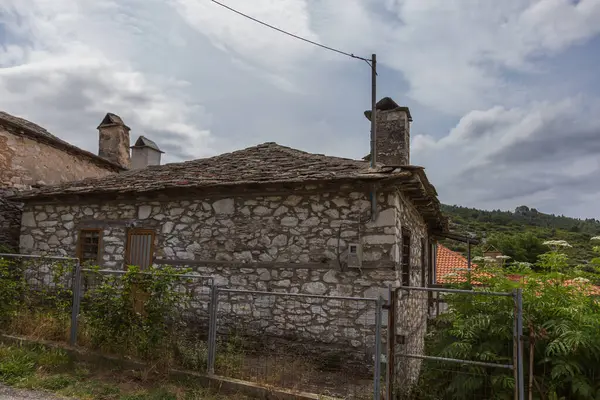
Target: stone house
[264, 218]
[31, 156]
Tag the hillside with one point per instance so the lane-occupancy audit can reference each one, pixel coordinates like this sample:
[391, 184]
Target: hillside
[520, 234]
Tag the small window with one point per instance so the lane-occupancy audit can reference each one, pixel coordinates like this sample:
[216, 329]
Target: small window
[405, 258]
[423, 262]
[88, 248]
[140, 248]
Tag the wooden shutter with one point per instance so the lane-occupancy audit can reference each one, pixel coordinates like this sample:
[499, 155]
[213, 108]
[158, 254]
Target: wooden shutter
[140, 248]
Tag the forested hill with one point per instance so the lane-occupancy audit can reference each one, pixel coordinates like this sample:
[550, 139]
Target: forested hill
[520, 234]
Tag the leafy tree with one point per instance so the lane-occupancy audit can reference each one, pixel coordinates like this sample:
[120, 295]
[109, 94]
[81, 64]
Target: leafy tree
[561, 319]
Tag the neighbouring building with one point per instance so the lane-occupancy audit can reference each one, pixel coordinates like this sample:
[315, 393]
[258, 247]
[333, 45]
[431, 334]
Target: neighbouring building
[450, 266]
[267, 218]
[30, 157]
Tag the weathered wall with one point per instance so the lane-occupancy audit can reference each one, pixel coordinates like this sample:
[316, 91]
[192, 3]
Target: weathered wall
[10, 222]
[285, 243]
[24, 162]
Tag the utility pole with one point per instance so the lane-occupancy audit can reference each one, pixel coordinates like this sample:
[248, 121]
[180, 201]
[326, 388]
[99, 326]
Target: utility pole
[373, 110]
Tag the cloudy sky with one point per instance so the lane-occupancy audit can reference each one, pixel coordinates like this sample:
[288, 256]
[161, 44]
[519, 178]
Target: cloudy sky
[505, 95]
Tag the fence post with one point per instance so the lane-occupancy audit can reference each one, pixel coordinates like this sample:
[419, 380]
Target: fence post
[212, 328]
[377, 371]
[520, 371]
[76, 304]
[391, 344]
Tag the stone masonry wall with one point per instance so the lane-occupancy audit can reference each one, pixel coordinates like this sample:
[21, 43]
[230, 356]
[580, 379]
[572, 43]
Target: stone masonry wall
[287, 243]
[24, 162]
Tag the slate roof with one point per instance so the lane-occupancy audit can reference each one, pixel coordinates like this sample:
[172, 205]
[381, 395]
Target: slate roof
[267, 163]
[36, 132]
[450, 266]
[143, 141]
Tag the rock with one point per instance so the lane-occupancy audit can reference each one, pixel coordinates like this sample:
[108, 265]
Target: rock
[379, 239]
[292, 200]
[314, 288]
[144, 211]
[27, 242]
[174, 212]
[262, 210]
[263, 274]
[316, 207]
[224, 206]
[340, 202]
[330, 277]
[41, 216]
[53, 240]
[279, 240]
[280, 211]
[69, 225]
[312, 221]
[168, 227]
[223, 257]
[289, 221]
[28, 219]
[332, 213]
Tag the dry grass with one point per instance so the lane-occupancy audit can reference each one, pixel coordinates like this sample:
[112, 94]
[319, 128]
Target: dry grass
[40, 326]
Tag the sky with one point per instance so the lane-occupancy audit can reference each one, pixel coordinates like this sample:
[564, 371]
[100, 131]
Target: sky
[505, 95]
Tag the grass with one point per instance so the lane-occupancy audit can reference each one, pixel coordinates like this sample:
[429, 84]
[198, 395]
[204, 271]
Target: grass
[41, 368]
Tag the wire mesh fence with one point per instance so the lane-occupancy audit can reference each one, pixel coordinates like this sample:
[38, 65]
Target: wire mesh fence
[36, 296]
[160, 316]
[456, 344]
[321, 344]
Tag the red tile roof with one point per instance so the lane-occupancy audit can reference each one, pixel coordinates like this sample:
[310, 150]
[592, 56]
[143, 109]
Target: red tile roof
[450, 266]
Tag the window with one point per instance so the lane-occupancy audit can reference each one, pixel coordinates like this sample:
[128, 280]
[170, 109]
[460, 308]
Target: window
[423, 262]
[88, 248]
[405, 258]
[140, 248]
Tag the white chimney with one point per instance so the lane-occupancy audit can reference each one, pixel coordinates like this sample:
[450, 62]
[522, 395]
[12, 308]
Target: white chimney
[144, 153]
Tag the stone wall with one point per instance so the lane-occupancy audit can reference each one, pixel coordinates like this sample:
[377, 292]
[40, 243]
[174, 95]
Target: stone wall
[10, 222]
[287, 243]
[24, 162]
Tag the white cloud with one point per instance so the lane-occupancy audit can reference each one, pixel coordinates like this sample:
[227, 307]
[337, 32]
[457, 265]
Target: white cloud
[61, 65]
[504, 157]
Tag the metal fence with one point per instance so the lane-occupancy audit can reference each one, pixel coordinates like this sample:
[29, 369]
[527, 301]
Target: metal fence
[325, 344]
[451, 343]
[162, 317]
[329, 345]
[39, 297]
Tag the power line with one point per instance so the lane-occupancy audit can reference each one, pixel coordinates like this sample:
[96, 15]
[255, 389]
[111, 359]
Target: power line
[290, 34]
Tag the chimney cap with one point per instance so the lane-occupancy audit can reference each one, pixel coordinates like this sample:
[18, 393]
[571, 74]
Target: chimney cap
[387, 104]
[143, 141]
[112, 120]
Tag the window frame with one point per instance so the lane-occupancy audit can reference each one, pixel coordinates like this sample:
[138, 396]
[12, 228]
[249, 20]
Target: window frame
[80, 244]
[405, 258]
[139, 231]
[423, 262]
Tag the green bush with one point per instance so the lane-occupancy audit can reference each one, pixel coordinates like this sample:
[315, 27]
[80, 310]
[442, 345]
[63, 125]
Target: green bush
[134, 312]
[561, 319]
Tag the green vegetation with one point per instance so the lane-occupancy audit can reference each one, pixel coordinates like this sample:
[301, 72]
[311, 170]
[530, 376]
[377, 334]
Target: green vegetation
[561, 319]
[42, 368]
[520, 234]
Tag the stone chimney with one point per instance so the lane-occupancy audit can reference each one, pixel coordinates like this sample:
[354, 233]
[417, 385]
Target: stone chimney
[144, 153]
[114, 140]
[393, 133]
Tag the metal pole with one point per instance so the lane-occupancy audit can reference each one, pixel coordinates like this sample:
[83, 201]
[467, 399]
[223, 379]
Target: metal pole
[373, 110]
[377, 371]
[212, 328]
[521, 377]
[373, 131]
[391, 344]
[76, 304]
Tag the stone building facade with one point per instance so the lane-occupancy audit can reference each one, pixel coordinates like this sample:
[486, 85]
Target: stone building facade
[266, 218]
[30, 156]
